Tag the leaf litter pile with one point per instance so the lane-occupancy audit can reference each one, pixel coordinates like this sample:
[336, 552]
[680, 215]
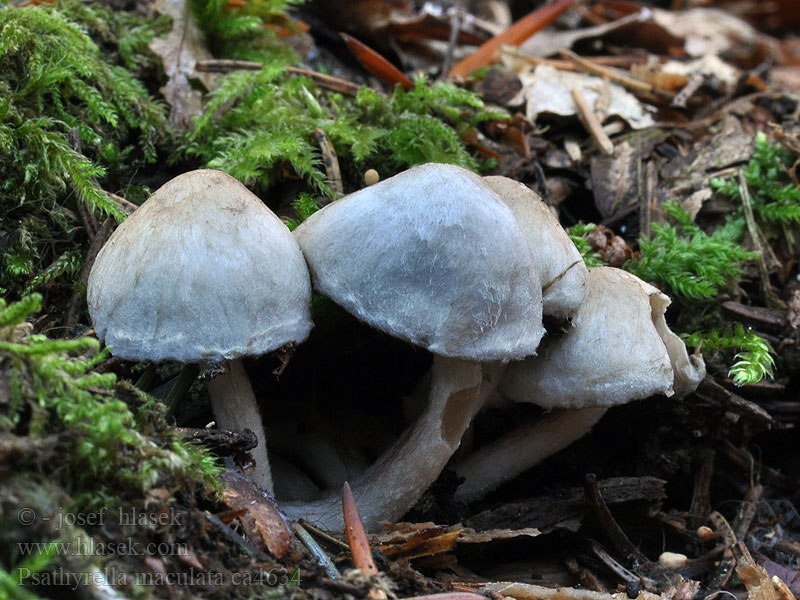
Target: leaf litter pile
[663, 137]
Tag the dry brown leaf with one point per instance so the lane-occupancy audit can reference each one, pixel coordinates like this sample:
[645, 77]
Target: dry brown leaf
[548, 90]
[180, 51]
[260, 518]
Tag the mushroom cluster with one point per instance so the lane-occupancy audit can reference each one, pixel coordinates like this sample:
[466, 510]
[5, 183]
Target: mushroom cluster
[462, 266]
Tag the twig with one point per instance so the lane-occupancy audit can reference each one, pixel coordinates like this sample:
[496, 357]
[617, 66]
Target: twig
[636, 85]
[726, 563]
[525, 591]
[455, 27]
[226, 65]
[695, 81]
[610, 526]
[585, 577]
[319, 533]
[755, 235]
[221, 442]
[613, 565]
[591, 121]
[235, 537]
[747, 511]
[126, 205]
[448, 596]
[334, 84]
[648, 198]
[744, 460]
[331, 162]
[514, 35]
[322, 558]
[701, 498]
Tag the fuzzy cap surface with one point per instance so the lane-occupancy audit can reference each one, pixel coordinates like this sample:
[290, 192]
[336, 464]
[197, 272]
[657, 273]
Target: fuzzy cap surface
[431, 256]
[202, 271]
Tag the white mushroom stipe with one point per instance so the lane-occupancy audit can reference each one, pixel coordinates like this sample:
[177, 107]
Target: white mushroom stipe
[620, 349]
[434, 257]
[388, 488]
[524, 447]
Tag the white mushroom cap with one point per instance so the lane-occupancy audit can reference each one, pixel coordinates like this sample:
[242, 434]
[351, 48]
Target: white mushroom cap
[561, 268]
[614, 353]
[434, 257]
[203, 270]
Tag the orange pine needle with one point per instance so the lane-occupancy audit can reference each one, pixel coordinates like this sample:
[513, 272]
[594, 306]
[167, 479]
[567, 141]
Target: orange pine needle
[377, 64]
[356, 536]
[513, 36]
[357, 540]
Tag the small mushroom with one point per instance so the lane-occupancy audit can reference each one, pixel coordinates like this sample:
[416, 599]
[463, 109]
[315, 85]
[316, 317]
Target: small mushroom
[620, 349]
[431, 256]
[204, 272]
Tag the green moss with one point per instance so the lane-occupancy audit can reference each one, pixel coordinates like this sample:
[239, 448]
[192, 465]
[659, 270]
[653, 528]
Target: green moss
[577, 233]
[774, 196]
[248, 32]
[754, 355]
[690, 262]
[112, 448]
[258, 122]
[71, 124]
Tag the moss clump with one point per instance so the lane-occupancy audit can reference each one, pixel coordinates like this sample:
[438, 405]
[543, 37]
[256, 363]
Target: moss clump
[258, 122]
[71, 122]
[753, 360]
[249, 31]
[697, 268]
[577, 233]
[110, 449]
[693, 264]
[775, 198]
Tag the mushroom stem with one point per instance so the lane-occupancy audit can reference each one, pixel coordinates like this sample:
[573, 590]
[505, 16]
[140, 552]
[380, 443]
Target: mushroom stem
[388, 488]
[523, 448]
[235, 407]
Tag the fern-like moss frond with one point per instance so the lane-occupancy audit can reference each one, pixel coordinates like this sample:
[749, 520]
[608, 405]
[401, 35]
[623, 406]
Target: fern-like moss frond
[692, 263]
[754, 358]
[69, 120]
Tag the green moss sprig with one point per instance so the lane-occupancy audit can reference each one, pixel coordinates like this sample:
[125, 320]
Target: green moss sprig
[754, 355]
[693, 264]
[247, 32]
[774, 196]
[577, 233]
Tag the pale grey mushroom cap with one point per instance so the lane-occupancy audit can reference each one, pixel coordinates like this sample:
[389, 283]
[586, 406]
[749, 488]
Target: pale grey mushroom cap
[434, 257]
[561, 268]
[613, 353]
[203, 270]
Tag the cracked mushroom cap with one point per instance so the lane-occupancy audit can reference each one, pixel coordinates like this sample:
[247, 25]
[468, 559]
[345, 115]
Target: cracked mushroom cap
[619, 349]
[203, 270]
[434, 257]
[561, 268]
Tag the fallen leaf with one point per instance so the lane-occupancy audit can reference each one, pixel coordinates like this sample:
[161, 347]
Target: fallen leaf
[180, 52]
[261, 520]
[548, 90]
